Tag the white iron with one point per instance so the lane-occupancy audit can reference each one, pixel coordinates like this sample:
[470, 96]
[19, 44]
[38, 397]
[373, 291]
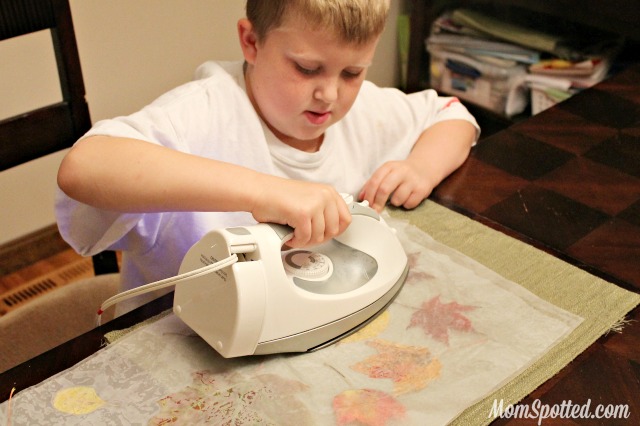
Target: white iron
[274, 301]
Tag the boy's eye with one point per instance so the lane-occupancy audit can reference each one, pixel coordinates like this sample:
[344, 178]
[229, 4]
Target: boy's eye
[306, 71]
[351, 74]
[347, 74]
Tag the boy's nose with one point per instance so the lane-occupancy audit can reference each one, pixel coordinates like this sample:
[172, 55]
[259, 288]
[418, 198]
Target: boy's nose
[327, 91]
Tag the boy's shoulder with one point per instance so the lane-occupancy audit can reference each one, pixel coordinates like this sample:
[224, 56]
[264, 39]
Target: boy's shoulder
[210, 78]
[376, 98]
[233, 69]
[371, 91]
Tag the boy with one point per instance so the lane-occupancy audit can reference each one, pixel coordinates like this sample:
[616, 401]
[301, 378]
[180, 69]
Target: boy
[275, 140]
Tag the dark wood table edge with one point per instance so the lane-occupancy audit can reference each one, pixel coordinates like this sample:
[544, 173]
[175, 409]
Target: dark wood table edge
[534, 243]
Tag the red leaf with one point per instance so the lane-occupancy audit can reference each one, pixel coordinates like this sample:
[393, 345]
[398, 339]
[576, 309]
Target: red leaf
[436, 318]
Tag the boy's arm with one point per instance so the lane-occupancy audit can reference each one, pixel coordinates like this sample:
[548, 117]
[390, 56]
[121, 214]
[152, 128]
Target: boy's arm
[130, 175]
[439, 150]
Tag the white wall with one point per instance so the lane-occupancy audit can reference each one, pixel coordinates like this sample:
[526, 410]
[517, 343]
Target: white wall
[131, 51]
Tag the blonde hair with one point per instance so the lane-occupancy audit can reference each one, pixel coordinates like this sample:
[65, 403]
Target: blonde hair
[353, 21]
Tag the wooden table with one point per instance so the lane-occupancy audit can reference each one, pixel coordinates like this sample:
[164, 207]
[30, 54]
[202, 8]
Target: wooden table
[566, 181]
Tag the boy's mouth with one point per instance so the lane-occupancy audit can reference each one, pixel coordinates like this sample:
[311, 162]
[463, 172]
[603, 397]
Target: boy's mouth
[317, 118]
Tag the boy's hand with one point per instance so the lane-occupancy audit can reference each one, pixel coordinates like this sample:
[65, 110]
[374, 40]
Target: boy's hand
[402, 183]
[317, 212]
[439, 150]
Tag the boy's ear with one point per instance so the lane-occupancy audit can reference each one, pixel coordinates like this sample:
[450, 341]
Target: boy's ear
[248, 40]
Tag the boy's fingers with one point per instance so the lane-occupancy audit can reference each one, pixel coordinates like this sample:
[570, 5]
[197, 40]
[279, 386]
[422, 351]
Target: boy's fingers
[387, 187]
[372, 187]
[344, 217]
[317, 230]
[332, 222]
[401, 195]
[334, 219]
[301, 234]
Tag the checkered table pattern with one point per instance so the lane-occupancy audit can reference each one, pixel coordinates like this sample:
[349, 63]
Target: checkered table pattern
[567, 179]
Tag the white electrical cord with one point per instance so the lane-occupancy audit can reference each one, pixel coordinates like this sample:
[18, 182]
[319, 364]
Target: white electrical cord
[167, 282]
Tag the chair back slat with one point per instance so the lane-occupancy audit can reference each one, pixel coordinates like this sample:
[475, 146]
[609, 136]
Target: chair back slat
[47, 129]
[19, 17]
[50, 128]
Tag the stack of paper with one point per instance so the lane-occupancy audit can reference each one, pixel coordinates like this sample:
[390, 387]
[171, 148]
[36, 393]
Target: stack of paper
[484, 49]
[452, 35]
[513, 33]
[477, 67]
[556, 64]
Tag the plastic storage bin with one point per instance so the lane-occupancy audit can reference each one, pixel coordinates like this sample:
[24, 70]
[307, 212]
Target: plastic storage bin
[496, 88]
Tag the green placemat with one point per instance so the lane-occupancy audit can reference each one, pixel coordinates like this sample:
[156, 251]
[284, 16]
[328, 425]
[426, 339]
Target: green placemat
[602, 305]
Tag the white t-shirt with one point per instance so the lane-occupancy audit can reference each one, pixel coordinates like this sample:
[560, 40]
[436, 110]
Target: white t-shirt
[212, 117]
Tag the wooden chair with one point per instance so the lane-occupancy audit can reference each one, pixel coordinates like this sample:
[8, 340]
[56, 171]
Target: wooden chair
[48, 129]
[70, 310]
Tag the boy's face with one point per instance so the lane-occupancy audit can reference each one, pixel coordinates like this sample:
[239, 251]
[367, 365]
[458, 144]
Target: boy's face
[302, 81]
